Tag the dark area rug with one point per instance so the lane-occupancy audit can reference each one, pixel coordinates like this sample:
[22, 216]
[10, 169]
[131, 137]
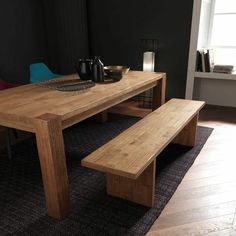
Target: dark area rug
[22, 201]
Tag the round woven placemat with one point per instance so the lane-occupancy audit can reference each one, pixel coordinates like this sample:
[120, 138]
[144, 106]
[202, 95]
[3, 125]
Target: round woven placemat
[66, 85]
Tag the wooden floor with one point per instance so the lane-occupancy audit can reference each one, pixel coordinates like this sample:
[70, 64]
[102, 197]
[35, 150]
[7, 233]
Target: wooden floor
[205, 201]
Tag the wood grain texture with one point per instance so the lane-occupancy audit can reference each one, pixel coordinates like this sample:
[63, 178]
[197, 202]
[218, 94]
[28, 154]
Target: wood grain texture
[159, 93]
[46, 112]
[132, 151]
[105, 105]
[187, 136]
[214, 226]
[201, 200]
[140, 190]
[19, 106]
[196, 215]
[53, 164]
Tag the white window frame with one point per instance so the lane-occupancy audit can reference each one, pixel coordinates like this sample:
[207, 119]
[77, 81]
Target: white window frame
[194, 45]
[211, 21]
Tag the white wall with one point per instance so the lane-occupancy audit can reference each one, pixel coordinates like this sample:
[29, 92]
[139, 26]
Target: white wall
[215, 91]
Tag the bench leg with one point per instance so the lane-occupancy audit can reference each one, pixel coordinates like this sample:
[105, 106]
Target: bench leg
[140, 190]
[187, 136]
[53, 164]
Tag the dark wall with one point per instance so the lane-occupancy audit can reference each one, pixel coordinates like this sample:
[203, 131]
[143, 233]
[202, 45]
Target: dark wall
[56, 32]
[116, 28]
[52, 31]
[67, 34]
[22, 39]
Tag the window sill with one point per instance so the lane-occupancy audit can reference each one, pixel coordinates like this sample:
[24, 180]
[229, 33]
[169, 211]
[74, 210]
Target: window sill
[211, 75]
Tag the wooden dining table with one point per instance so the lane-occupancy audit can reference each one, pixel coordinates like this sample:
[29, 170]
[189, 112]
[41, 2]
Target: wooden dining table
[47, 112]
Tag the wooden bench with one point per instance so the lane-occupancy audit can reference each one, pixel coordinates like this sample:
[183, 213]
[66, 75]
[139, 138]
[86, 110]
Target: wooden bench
[130, 159]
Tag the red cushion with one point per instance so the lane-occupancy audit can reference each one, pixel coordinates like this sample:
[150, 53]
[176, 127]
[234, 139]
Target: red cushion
[5, 85]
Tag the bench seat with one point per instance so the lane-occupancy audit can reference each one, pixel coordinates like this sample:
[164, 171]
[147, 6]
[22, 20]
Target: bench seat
[129, 158]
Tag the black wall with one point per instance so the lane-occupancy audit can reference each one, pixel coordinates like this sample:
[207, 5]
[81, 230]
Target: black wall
[22, 38]
[52, 31]
[67, 33]
[56, 32]
[116, 28]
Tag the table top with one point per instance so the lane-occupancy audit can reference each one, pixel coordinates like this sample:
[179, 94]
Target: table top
[19, 106]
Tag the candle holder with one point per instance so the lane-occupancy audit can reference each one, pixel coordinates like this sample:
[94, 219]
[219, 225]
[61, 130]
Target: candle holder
[148, 52]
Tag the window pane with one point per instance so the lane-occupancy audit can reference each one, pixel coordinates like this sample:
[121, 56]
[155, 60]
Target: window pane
[223, 31]
[225, 6]
[225, 56]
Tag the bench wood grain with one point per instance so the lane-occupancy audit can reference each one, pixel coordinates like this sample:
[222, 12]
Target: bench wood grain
[133, 151]
[53, 164]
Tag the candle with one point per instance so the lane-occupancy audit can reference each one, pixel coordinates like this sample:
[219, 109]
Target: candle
[148, 61]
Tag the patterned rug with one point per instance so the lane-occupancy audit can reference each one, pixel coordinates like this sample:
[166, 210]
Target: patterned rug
[22, 201]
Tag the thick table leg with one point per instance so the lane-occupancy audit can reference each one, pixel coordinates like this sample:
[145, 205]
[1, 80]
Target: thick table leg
[140, 190]
[187, 136]
[102, 117]
[53, 164]
[159, 94]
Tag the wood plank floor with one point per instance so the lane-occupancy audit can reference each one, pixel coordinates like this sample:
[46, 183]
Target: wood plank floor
[205, 201]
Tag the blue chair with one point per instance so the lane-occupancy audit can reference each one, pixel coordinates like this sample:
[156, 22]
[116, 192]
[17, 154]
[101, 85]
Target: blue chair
[40, 72]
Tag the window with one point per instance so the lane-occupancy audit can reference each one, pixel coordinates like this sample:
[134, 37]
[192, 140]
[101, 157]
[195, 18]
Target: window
[221, 34]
